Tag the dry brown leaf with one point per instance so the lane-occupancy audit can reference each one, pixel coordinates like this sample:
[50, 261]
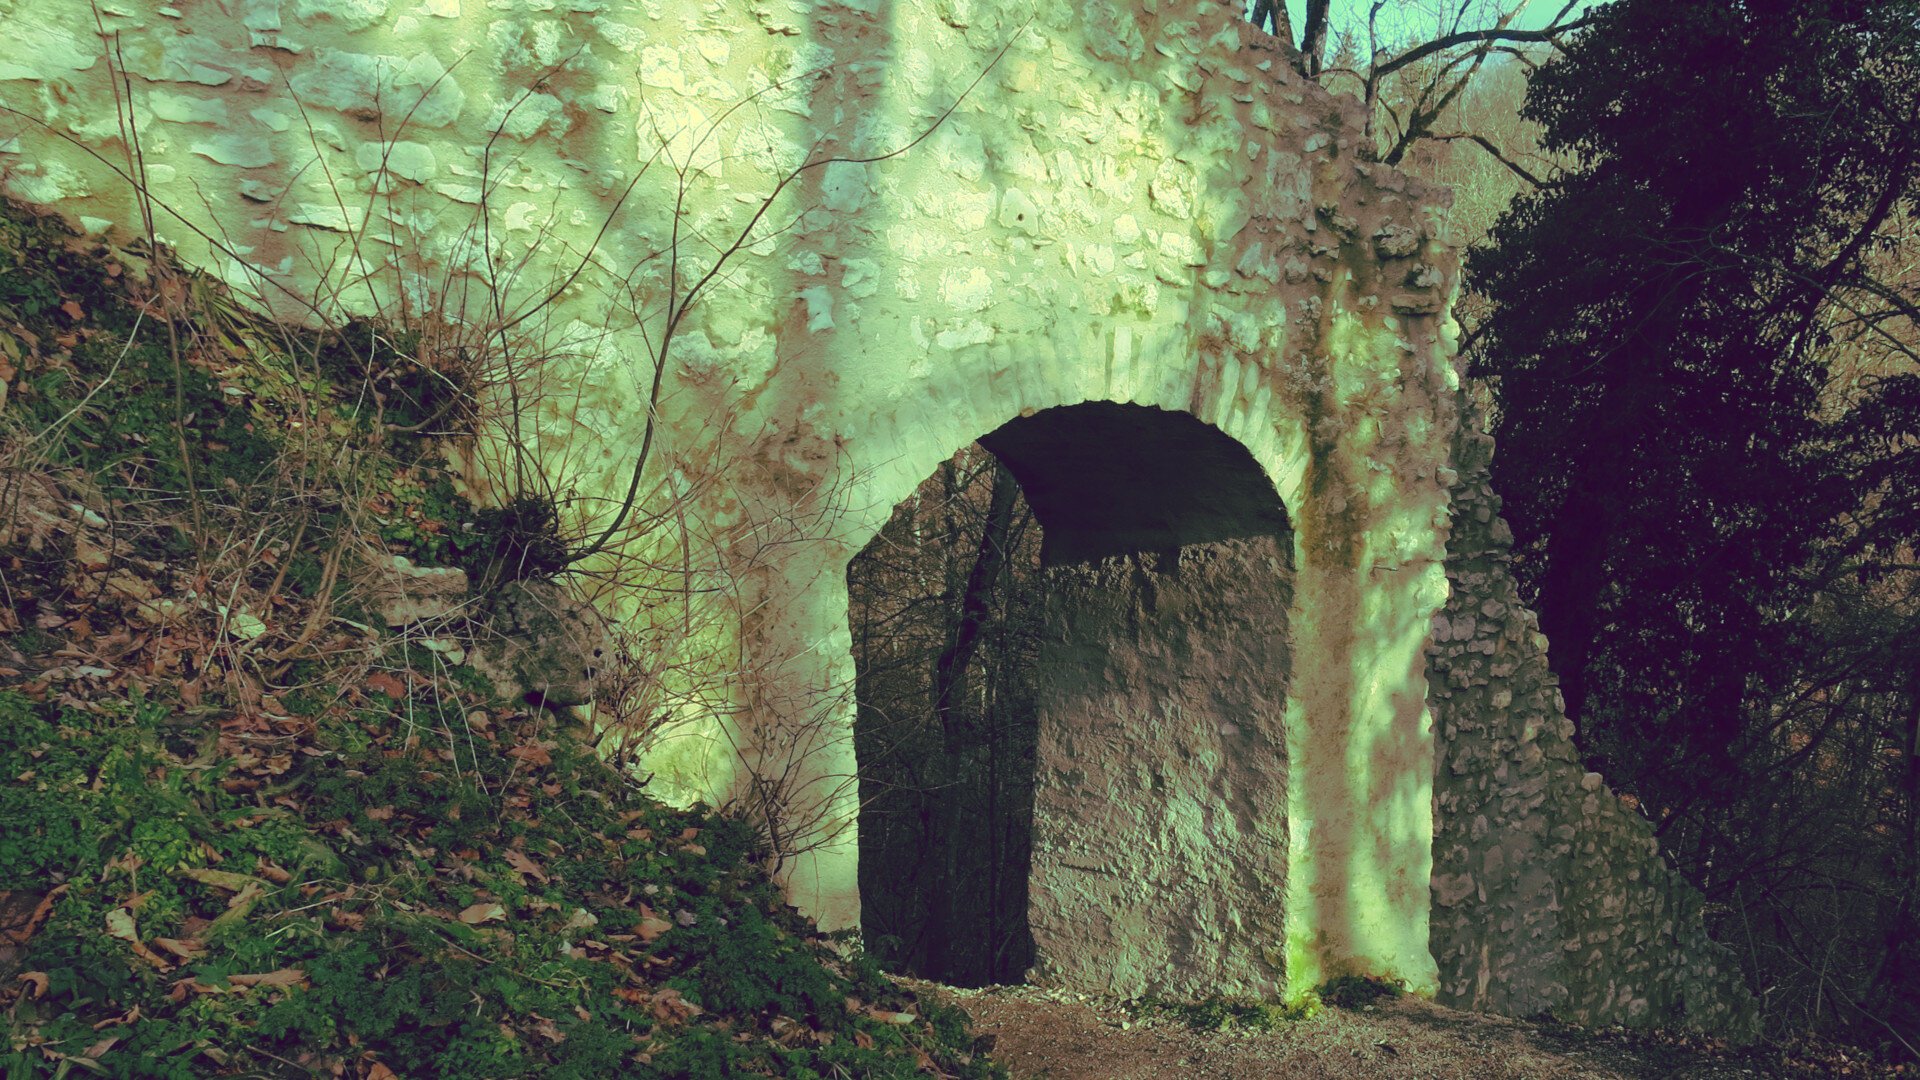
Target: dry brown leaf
[185, 950]
[150, 956]
[245, 898]
[650, 927]
[36, 981]
[532, 754]
[20, 935]
[486, 911]
[520, 862]
[219, 879]
[237, 911]
[130, 1016]
[120, 925]
[669, 1007]
[377, 1071]
[182, 987]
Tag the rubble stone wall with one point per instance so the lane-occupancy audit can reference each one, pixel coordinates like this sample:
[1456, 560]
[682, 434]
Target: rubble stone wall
[949, 214]
[1549, 893]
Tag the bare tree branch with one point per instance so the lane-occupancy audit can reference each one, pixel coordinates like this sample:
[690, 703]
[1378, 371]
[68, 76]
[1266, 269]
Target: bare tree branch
[1487, 144]
[1442, 44]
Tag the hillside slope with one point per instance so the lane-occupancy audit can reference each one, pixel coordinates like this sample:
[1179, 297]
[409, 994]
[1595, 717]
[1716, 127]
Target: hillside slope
[260, 819]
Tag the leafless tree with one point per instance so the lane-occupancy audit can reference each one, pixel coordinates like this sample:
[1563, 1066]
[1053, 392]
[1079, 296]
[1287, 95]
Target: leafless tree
[1419, 58]
[945, 611]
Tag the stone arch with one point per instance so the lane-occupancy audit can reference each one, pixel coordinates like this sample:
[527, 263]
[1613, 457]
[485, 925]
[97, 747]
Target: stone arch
[1362, 701]
[1158, 775]
[1121, 203]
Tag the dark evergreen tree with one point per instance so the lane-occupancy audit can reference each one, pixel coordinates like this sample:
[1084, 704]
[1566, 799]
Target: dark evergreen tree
[1671, 468]
[1704, 362]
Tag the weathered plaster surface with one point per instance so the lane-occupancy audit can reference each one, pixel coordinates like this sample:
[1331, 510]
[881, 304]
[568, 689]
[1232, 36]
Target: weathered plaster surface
[1160, 784]
[1131, 203]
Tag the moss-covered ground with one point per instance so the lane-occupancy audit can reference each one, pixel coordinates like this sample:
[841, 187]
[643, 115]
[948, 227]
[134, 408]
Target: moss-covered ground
[252, 892]
[245, 828]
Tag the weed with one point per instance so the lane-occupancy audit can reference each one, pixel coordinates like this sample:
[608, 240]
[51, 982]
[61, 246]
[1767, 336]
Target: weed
[1358, 991]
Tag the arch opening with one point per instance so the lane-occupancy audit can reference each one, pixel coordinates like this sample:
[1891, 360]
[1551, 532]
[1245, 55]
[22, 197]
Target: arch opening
[1072, 656]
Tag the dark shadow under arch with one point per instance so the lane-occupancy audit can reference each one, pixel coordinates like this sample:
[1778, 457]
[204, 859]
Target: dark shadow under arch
[1108, 479]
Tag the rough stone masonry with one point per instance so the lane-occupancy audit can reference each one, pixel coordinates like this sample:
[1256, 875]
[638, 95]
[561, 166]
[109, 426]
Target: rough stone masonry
[932, 217]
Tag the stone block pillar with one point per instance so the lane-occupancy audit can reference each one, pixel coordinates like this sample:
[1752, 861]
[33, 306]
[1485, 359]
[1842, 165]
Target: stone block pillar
[1160, 830]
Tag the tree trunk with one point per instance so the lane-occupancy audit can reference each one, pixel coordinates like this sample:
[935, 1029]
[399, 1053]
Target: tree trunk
[1897, 977]
[960, 911]
[963, 637]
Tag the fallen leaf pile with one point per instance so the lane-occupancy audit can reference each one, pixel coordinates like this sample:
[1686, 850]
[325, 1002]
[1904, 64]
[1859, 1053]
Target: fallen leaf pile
[437, 885]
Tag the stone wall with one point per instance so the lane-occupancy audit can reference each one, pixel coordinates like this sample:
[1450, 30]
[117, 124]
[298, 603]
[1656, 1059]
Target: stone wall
[1549, 893]
[1160, 836]
[1009, 206]
[1006, 207]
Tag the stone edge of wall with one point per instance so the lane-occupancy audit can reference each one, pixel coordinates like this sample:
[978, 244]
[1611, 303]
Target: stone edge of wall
[1549, 893]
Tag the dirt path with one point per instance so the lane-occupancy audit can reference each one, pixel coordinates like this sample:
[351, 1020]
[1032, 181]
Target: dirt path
[1062, 1036]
